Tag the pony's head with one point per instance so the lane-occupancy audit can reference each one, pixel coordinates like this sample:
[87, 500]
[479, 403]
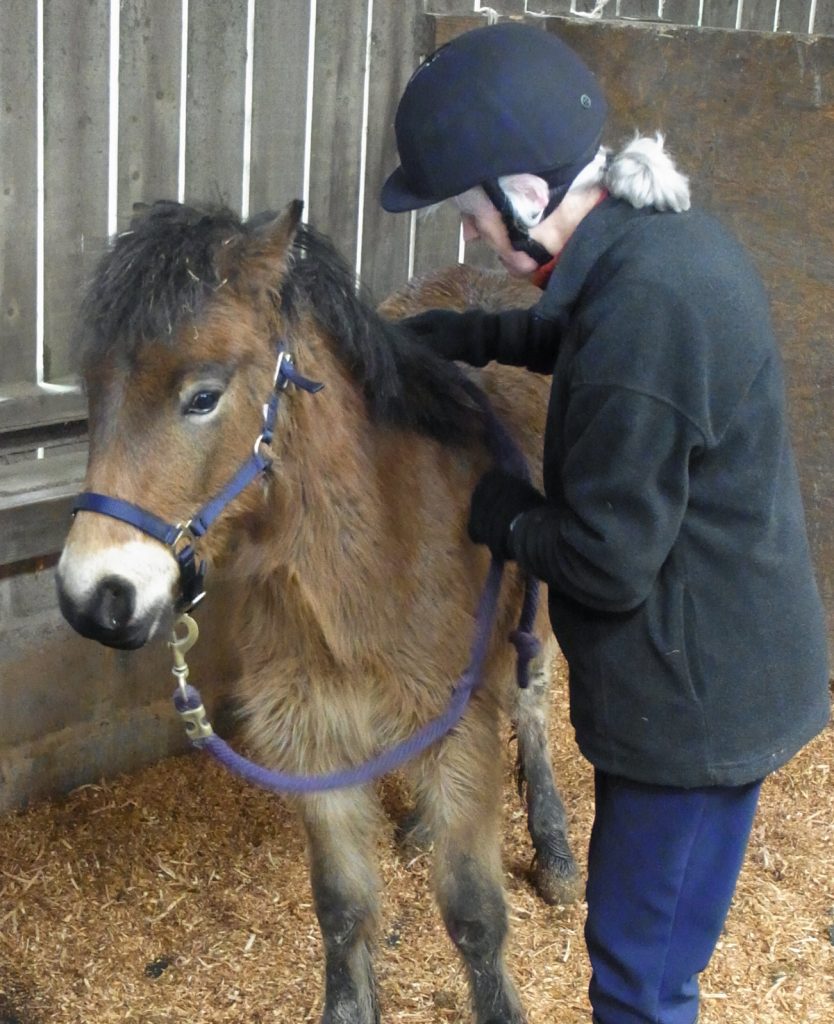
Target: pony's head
[181, 328]
[178, 328]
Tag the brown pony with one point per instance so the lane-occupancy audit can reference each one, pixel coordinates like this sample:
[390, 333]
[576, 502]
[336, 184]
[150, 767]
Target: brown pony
[360, 580]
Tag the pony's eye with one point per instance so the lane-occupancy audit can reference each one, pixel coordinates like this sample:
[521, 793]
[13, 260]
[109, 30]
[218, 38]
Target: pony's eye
[203, 402]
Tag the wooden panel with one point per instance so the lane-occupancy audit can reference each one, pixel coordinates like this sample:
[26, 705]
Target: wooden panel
[437, 231]
[35, 504]
[436, 239]
[794, 15]
[824, 18]
[447, 28]
[756, 135]
[720, 13]
[503, 8]
[444, 7]
[681, 12]
[26, 406]
[588, 6]
[18, 203]
[398, 42]
[279, 97]
[548, 6]
[337, 120]
[759, 15]
[149, 100]
[635, 10]
[76, 76]
[215, 101]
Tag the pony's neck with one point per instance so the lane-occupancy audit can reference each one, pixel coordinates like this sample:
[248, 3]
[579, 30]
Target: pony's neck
[330, 516]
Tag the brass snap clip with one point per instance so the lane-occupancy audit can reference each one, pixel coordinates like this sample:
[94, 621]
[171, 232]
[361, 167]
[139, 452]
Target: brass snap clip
[180, 646]
[197, 725]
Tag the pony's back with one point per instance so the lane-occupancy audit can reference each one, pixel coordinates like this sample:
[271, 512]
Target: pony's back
[518, 396]
[459, 287]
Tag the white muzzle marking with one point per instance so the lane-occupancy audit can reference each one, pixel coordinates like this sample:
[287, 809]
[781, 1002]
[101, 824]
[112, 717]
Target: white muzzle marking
[144, 563]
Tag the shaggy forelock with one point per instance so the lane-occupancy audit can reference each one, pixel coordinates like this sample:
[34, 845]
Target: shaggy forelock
[158, 273]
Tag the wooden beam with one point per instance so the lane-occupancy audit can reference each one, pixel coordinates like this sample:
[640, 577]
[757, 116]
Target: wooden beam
[35, 502]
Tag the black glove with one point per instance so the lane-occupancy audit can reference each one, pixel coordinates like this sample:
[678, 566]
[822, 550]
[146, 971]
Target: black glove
[475, 337]
[442, 330]
[496, 501]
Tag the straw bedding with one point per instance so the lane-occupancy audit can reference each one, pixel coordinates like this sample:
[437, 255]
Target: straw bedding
[179, 894]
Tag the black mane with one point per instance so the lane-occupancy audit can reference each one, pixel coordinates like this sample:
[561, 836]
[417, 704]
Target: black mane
[165, 269]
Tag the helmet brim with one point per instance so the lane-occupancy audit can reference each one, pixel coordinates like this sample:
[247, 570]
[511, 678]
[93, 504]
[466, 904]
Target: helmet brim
[397, 197]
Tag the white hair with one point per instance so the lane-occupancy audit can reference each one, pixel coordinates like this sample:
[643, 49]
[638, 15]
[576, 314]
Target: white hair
[528, 194]
[642, 173]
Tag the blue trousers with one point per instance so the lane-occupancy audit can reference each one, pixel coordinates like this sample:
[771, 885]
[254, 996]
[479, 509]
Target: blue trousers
[662, 868]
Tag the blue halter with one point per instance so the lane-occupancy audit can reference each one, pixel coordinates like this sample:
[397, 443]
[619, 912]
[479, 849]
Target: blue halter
[180, 537]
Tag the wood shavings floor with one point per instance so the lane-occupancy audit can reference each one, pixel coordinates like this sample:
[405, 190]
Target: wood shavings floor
[180, 895]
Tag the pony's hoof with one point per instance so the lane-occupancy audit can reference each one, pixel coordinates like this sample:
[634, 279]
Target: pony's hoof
[557, 881]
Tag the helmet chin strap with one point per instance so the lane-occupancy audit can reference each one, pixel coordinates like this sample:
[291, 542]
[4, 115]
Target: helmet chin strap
[519, 236]
[559, 181]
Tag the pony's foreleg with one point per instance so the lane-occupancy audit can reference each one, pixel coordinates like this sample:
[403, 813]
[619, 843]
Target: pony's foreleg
[555, 874]
[460, 791]
[341, 829]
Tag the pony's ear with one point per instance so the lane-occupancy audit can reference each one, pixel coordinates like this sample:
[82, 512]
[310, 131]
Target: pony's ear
[268, 247]
[278, 229]
[140, 212]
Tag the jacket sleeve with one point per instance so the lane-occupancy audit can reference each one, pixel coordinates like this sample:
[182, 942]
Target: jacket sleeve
[625, 489]
[517, 337]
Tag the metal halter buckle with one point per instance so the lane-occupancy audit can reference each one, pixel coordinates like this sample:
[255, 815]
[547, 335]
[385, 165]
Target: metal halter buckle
[183, 533]
[277, 383]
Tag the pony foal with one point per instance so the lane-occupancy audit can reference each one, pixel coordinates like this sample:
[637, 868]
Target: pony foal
[360, 580]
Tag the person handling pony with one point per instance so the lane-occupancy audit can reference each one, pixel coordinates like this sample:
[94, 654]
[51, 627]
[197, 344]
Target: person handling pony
[671, 531]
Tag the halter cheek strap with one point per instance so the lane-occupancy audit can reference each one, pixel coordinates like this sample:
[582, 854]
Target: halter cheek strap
[180, 537]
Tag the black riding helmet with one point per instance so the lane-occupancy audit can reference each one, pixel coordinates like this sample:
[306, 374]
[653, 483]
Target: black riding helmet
[503, 99]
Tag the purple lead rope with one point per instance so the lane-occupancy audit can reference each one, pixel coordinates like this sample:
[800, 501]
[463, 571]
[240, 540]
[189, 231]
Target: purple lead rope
[390, 759]
[188, 701]
[509, 456]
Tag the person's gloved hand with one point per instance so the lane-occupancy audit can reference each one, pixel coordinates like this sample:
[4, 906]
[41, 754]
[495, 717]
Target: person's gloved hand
[445, 332]
[476, 336]
[496, 501]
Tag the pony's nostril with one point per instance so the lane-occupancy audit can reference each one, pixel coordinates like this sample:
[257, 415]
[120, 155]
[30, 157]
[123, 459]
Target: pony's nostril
[115, 604]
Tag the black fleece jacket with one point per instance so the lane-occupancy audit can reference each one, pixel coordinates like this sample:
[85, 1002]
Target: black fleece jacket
[672, 538]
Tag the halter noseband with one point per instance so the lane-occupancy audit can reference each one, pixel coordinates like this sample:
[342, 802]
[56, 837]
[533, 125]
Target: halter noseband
[181, 537]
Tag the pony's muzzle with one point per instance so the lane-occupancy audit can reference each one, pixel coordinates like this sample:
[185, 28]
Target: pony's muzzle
[119, 595]
[108, 615]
